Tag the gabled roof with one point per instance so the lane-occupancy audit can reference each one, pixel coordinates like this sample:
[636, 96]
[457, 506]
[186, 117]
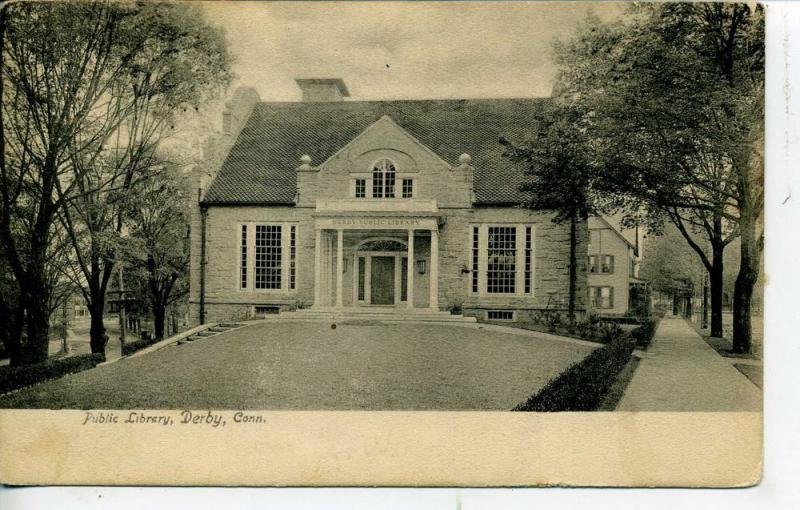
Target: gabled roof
[399, 131]
[608, 226]
[260, 168]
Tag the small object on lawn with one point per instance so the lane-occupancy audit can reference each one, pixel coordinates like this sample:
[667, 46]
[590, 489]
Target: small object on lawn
[333, 326]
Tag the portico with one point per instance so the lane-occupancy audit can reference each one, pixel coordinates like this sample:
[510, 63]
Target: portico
[376, 258]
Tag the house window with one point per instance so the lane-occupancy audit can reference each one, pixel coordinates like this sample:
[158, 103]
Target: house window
[383, 177]
[528, 247]
[601, 264]
[475, 255]
[501, 267]
[601, 297]
[243, 259]
[292, 257]
[408, 188]
[361, 188]
[268, 257]
[608, 264]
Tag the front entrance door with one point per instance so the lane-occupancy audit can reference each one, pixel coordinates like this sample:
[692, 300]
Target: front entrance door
[382, 284]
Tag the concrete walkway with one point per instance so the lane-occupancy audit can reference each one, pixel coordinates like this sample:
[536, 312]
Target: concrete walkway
[681, 372]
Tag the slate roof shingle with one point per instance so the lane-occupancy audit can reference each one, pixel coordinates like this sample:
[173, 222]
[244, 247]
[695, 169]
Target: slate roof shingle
[260, 168]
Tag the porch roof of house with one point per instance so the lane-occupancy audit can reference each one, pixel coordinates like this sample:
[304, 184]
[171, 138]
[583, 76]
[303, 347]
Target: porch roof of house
[261, 166]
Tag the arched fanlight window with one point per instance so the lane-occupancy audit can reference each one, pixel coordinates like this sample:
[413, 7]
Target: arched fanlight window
[383, 177]
[382, 245]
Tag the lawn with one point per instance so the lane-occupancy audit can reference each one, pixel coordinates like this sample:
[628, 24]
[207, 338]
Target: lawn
[313, 366]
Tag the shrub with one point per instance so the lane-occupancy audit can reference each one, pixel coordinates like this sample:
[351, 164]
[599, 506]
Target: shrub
[12, 378]
[585, 329]
[584, 384]
[643, 335]
[553, 320]
[608, 331]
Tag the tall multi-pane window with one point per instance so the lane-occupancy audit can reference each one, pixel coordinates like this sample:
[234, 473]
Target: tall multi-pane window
[243, 259]
[383, 179]
[361, 188]
[408, 188]
[292, 257]
[502, 259]
[528, 247]
[475, 255]
[268, 257]
[501, 267]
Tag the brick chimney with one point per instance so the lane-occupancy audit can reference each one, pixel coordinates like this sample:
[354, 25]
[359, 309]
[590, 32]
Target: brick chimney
[317, 90]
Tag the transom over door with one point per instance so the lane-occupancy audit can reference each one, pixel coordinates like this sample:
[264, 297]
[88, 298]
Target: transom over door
[382, 284]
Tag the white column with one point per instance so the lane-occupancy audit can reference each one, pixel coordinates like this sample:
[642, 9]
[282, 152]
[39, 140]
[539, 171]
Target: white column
[339, 266]
[318, 268]
[434, 270]
[410, 270]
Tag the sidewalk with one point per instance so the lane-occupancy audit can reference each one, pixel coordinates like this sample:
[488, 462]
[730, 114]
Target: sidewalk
[680, 372]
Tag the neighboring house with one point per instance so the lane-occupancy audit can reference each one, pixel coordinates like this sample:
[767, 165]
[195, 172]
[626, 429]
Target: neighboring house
[613, 268]
[407, 205]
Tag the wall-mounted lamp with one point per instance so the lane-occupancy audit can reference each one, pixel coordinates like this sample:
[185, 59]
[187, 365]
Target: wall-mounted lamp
[421, 265]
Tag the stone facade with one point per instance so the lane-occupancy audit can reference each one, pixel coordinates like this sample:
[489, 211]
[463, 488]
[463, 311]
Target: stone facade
[224, 301]
[326, 207]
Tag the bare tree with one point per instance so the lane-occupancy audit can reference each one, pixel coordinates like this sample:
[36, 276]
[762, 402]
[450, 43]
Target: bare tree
[89, 89]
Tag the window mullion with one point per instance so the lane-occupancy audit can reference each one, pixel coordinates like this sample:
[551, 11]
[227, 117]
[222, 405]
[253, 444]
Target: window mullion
[284, 257]
[519, 260]
[483, 259]
[251, 255]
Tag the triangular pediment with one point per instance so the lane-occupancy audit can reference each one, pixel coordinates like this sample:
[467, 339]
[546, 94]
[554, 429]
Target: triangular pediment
[384, 133]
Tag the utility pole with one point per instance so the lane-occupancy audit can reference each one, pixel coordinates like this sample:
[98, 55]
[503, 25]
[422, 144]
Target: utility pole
[704, 324]
[122, 322]
[64, 324]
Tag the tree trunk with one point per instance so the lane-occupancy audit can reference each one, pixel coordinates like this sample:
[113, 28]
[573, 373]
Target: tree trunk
[174, 318]
[12, 333]
[573, 270]
[744, 286]
[35, 297]
[159, 312]
[97, 330]
[715, 275]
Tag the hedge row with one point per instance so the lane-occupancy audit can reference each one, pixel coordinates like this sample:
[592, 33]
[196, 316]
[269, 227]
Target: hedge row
[643, 335]
[12, 378]
[131, 347]
[583, 385]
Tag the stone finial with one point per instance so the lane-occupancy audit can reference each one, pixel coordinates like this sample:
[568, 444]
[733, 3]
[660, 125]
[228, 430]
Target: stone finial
[305, 162]
[465, 159]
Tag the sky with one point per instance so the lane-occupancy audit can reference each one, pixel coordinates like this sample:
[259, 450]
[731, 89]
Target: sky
[400, 50]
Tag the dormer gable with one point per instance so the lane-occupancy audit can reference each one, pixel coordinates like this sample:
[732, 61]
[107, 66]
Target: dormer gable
[385, 161]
